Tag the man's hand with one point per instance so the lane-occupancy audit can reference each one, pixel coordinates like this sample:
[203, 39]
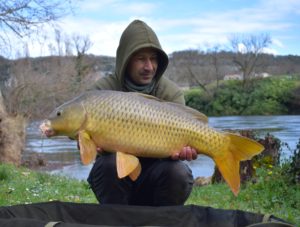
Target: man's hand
[187, 153]
[99, 150]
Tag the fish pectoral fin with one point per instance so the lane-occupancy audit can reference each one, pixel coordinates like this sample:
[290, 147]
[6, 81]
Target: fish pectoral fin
[87, 146]
[128, 165]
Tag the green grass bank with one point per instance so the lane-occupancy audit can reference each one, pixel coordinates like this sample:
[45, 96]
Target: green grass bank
[270, 194]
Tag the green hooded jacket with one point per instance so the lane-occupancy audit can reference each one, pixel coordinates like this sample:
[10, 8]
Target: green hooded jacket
[136, 36]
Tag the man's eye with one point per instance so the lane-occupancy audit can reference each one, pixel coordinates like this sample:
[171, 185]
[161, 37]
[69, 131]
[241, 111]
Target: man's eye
[154, 58]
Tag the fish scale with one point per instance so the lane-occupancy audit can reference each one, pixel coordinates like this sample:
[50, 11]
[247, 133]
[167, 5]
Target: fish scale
[161, 125]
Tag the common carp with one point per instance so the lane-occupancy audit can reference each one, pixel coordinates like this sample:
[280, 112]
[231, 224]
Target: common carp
[137, 125]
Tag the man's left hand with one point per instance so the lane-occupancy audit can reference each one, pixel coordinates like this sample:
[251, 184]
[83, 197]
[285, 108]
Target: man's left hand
[187, 153]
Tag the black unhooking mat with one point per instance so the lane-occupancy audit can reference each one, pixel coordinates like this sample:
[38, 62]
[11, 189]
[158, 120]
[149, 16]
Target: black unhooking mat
[63, 214]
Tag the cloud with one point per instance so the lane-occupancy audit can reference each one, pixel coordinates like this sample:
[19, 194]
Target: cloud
[118, 7]
[277, 42]
[104, 21]
[270, 51]
[280, 7]
[214, 27]
[104, 35]
[142, 8]
[95, 6]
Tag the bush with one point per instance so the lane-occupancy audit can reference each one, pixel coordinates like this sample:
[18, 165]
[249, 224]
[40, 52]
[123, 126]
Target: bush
[269, 96]
[196, 99]
[293, 166]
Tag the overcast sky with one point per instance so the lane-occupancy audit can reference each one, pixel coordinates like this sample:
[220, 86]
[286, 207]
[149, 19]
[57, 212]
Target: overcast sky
[189, 24]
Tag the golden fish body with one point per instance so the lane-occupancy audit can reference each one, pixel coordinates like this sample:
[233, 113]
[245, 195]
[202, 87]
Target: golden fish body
[133, 124]
[136, 125]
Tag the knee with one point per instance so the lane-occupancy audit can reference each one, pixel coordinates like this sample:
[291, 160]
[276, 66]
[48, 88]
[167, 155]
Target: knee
[176, 177]
[179, 172]
[174, 184]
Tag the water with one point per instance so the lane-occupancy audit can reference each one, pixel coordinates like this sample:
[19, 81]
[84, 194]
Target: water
[63, 151]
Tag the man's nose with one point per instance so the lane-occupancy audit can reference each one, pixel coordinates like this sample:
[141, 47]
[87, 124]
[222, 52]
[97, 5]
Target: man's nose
[148, 64]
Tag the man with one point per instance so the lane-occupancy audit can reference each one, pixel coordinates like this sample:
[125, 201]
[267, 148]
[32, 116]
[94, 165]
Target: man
[140, 64]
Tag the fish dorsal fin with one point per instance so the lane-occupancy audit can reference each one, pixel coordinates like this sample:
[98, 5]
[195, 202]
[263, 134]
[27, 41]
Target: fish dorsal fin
[147, 96]
[87, 146]
[197, 115]
[127, 165]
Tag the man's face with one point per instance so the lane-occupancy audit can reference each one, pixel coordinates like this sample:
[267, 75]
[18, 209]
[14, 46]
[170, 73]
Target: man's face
[142, 66]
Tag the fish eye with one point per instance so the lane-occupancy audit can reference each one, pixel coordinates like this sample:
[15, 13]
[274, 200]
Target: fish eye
[58, 113]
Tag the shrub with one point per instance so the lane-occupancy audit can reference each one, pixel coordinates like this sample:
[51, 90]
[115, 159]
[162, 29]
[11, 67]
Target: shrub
[293, 166]
[269, 96]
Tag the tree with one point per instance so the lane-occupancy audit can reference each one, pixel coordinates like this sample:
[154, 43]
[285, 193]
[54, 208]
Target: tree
[248, 50]
[82, 44]
[214, 53]
[58, 39]
[23, 17]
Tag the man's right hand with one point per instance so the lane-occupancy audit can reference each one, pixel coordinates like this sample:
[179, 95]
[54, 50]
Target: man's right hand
[187, 153]
[99, 150]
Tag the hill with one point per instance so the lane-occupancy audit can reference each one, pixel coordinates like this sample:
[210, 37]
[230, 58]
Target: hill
[34, 86]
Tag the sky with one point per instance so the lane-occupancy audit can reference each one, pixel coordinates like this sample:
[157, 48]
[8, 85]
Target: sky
[182, 25]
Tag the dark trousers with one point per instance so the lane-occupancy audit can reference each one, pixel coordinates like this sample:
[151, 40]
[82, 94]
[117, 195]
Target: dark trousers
[163, 182]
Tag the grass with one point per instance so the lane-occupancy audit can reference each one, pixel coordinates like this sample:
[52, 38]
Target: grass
[23, 186]
[271, 194]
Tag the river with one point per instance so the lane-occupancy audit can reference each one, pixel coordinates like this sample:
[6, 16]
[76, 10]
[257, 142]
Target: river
[64, 153]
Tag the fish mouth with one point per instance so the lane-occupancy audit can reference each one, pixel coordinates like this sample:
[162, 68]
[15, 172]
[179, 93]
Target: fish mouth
[46, 129]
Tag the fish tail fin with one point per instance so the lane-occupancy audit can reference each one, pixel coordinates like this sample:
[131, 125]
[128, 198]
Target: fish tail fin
[239, 149]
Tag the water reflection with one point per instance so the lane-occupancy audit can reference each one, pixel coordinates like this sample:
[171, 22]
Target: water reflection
[63, 150]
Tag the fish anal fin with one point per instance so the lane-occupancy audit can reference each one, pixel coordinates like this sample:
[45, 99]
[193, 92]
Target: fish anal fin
[127, 164]
[87, 146]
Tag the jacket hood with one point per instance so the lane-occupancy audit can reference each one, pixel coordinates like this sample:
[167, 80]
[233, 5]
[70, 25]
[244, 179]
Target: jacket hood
[136, 36]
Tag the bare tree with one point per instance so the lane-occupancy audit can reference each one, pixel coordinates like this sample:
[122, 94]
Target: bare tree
[58, 39]
[248, 50]
[197, 80]
[23, 17]
[215, 60]
[68, 46]
[82, 44]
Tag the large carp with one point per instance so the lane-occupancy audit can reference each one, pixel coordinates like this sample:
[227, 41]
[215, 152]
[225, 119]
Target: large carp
[137, 125]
